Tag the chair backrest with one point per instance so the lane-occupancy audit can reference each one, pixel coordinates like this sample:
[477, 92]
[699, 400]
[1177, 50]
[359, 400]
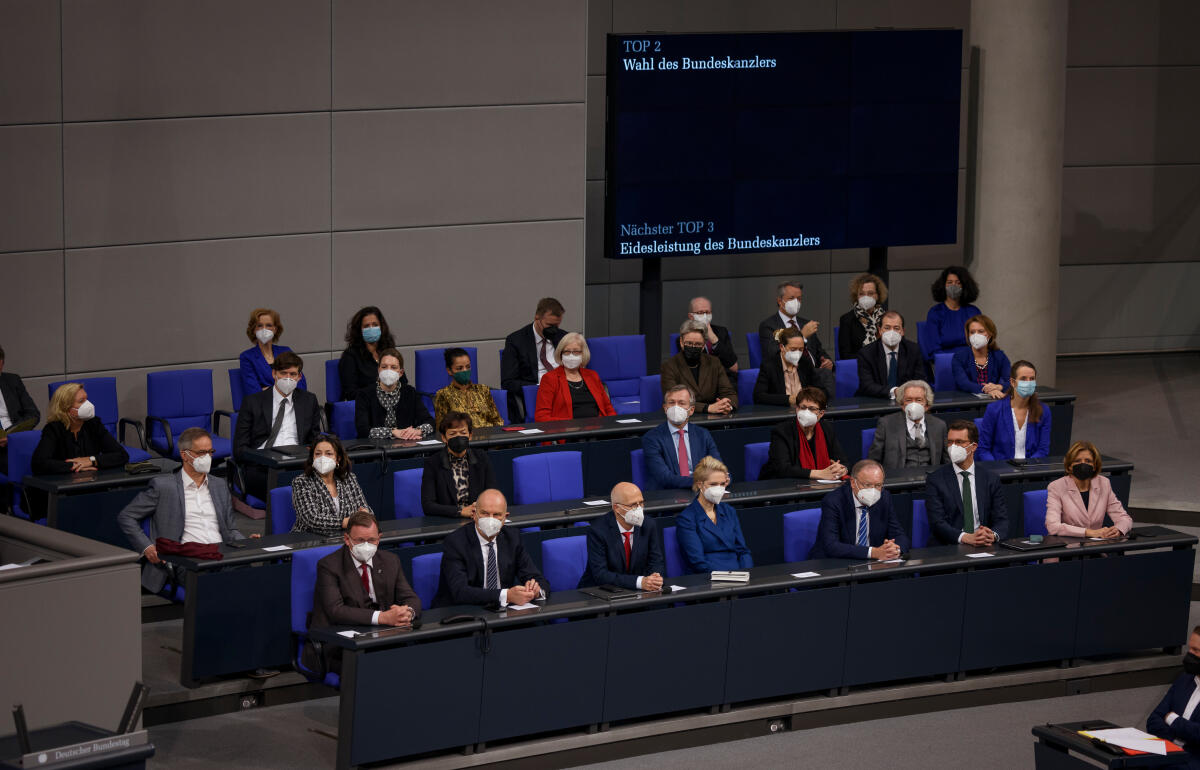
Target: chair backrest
[1034, 504]
[978, 423]
[637, 461]
[620, 361]
[650, 393]
[925, 339]
[546, 476]
[333, 381]
[406, 493]
[943, 372]
[674, 556]
[755, 457]
[185, 397]
[283, 514]
[21, 446]
[431, 369]
[500, 399]
[846, 379]
[564, 560]
[672, 345]
[745, 386]
[868, 438]
[530, 394]
[102, 392]
[304, 583]
[235, 388]
[426, 569]
[800, 533]
[343, 420]
[920, 525]
[755, 350]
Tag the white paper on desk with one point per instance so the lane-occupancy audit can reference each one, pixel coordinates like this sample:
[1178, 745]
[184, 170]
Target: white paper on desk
[8, 566]
[528, 431]
[1131, 738]
[525, 606]
[828, 481]
[893, 561]
[348, 634]
[979, 555]
[629, 420]
[428, 442]
[806, 574]
[279, 548]
[595, 502]
[678, 588]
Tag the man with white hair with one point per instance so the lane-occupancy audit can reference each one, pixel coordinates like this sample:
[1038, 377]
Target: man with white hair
[910, 437]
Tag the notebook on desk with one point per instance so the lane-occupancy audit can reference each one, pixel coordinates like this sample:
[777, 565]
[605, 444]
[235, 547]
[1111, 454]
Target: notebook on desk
[1024, 544]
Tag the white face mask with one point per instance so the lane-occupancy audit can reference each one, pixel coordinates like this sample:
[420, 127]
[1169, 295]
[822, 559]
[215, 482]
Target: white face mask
[364, 552]
[791, 307]
[324, 464]
[891, 338]
[792, 357]
[866, 302]
[978, 340]
[677, 415]
[489, 526]
[806, 417]
[957, 453]
[572, 361]
[285, 385]
[389, 377]
[868, 496]
[86, 410]
[714, 494]
[202, 464]
[914, 411]
[703, 318]
[635, 517]
[264, 336]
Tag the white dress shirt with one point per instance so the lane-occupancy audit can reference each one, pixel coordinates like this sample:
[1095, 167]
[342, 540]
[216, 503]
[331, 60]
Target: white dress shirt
[199, 515]
[288, 435]
[687, 444]
[974, 492]
[622, 531]
[862, 522]
[1019, 433]
[916, 429]
[1189, 710]
[370, 582]
[483, 550]
[5, 421]
[537, 353]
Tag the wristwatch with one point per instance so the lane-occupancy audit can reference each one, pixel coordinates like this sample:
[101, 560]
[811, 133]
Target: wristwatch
[93, 459]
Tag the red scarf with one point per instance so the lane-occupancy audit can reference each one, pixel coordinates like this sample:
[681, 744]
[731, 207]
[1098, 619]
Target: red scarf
[209, 551]
[806, 456]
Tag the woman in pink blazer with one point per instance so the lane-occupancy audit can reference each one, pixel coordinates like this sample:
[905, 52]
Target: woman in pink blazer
[1077, 503]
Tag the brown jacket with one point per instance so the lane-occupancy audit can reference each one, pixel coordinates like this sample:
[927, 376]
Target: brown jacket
[713, 384]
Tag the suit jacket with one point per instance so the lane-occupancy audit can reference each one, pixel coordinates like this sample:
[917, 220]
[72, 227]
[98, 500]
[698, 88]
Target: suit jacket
[369, 412]
[1066, 514]
[256, 417]
[707, 546]
[462, 576]
[357, 371]
[873, 368]
[998, 437]
[439, 497]
[58, 443]
[891, 437]
[783, 455]
[713, 384]
[1184, 730]
[943, 503]
[768, 345]
[519, 366]
[554, 395]
[255, 372]
[836, 533]
[963, 364]
[163, 501]
[723, 350]
[606, 554]
[16, 399]
[661, 455]
[771, 386]
[852, 335]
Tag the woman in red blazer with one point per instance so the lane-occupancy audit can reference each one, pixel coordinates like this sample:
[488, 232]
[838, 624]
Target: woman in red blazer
[1077, 503]
[571, 391]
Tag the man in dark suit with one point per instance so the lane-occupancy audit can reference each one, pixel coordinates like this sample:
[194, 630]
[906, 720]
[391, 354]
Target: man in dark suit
[529, 353]
[484, 562]
[890, 360]
[700, 371]
[280, 416]
[788, 297]
[669, 465]
[912, 437]
[359, 585]
[782, 376]
[1176, 718]
[625, 549]
[442, 494]
[717, 339]
[964, 502]
[858, 521]
[15, 407]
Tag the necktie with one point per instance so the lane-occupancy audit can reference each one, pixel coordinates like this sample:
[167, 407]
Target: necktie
[892, 370]
[628, 548]
[684, 470]
[862, 526]
[275, 426]
[968, 504]
[792, 323]
[366, 581]
[493, 574]
[542, 355]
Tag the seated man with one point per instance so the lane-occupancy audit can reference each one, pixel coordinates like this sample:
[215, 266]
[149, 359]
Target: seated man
[1175, 718]
[455, 475]
[281, 416]
[805, 446]
[625, 549]
[484, 562]
[787, 316]
[782, 376]
[700, 371]
[187, 506]
[911, 437]
[890, 360]
[16, 407]
[717, 340]
[964, 502]
[671, 450]
[359, 585]
[858, 521]
[529, 354]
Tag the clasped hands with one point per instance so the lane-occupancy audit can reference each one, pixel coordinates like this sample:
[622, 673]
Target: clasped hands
[980, 537]
[523, 594]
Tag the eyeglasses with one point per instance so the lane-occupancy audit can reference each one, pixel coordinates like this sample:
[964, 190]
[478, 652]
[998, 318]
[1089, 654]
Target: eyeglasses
[199, 453]
[868, 485]
[361, 540]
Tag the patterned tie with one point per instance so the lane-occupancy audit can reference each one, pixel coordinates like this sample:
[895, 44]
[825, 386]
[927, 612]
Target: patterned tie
[542, 355]
[366, 581]
[628, 548]
[862, 526]
[968, 504]
[892, 373]
[684, 470]
[493, 574]
[275, 426]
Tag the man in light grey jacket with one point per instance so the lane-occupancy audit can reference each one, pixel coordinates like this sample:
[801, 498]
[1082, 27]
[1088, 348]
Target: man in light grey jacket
[910, 437]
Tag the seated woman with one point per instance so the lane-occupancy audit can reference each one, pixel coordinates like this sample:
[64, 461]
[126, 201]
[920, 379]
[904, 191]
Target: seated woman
[699, 370]
[805, 447]
[392, 409]
[1078, 504]
[954, 291]
[263, 330]
[367, 335]
[782, 377]
[462, 395]
[326, 493]
[982, 367]
[74, 439]
[572, 391]
[708, 530]
[1017, 427]
[860, 326]
[455, 475]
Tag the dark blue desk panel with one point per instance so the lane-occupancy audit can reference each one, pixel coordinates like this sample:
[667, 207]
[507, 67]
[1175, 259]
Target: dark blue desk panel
[94, 514]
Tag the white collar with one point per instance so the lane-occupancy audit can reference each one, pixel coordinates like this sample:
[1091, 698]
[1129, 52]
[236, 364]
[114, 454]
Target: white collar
[483, 541]
[786, 319]
[958, 469]
[359, 564]
[621, 529]
[188, 483]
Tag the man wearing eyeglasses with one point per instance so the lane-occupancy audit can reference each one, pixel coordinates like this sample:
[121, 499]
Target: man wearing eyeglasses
[858, 520]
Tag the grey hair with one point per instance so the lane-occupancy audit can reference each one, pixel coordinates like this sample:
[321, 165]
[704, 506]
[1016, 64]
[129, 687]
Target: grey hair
[690, 392]
[189, 436]
[917, 384]
[692, 301]
[863, 465]
[691, 326]
[569, 338]
[782, 288]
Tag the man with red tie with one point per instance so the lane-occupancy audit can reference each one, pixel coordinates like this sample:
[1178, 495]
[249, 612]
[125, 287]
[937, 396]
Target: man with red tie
[671, 450]
[625, 549]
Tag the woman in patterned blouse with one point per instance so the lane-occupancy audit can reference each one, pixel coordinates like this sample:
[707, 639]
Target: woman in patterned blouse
[461, 395]
[393, 409]
[327, 492]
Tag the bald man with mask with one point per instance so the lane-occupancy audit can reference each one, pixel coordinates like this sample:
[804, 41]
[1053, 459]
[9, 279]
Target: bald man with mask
[624, 548]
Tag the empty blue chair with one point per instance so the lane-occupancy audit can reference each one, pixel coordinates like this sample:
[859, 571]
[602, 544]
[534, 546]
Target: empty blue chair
[341, 420]
[671, 551]
[500, 399]
[868, 438]
[621, 363]
[540, 478]
[650, 393]
[564, 560]
[1034, 504]
[102, 392]
[426, 569]
[333, 381]
[304, 582]
[846, 379]
[755, 350]
[920, 525]
[406, 493]
[755, 457]
[530, 393]
[235, 389]
[943, 372]
[745, 386]
[283, 514]
[800, 533]
[20, 461]
[637, 461]
[176, 401]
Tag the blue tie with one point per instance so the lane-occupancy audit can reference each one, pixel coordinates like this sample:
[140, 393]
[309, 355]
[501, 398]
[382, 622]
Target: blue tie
[892, 378]
[862, 526]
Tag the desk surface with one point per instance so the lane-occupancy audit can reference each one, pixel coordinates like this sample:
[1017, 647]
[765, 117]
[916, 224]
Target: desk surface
[1066, 734]
[92, 481]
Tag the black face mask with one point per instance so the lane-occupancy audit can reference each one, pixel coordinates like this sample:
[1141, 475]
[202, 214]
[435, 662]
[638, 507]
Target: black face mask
[1083, 471]
[458, 444]
[1191, 664]
[549, 330]
[691, 354]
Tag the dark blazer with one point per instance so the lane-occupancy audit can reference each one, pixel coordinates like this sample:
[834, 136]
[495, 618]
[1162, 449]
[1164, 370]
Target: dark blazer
[1185, 730]
[783, 456]
[707, 546]
[963, 364]
[606, 554]
[713, 384]
[771, 388]
[438, 494]
[554, 395]
[519, 366]
[943, 503]
[998, 437]
[17, 402]
[462, 577]
[767, 343]
[256, 417]
[722, 350]
[256, 373]
[852, 335]
[661, 456]
[873, 368]
[58, 443]
[891, 440]
[839, 525]
[369, 412]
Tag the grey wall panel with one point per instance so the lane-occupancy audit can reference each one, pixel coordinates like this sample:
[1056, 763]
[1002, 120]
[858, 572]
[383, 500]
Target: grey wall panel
[1132, 115]
[29, 62]
[191, 300]
[167, 180]
[599, 23]
[31, 315]
[910, 14]
[163, 58]
[596, 139]
[1128, 307]
[428, 280]
[458, 52]
[458, 166]
[1131, 214]
[722, 15]
[1120, 32]
[30, 187]
[908, 294]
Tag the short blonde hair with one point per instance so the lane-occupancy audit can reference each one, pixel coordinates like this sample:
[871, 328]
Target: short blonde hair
[705, 468]
[260, 311]
[569, 338]
[62, 401]
[856, 285]
[1074, 452]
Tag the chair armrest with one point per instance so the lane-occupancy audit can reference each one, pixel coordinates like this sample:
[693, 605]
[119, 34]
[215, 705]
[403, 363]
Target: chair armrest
[300, 640]
[166, 430]
[216, 420]
[137, 426]
[237, 483]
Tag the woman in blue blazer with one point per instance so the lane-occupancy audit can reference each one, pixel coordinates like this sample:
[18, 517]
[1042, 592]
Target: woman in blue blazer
[708, 531]
[264, 327]
[954, 293]
[999, 428]
[981, 367]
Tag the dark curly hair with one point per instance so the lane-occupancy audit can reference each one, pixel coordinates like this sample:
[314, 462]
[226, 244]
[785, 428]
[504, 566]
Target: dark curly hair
[343, 461]
[970, 291]
[354, 330]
